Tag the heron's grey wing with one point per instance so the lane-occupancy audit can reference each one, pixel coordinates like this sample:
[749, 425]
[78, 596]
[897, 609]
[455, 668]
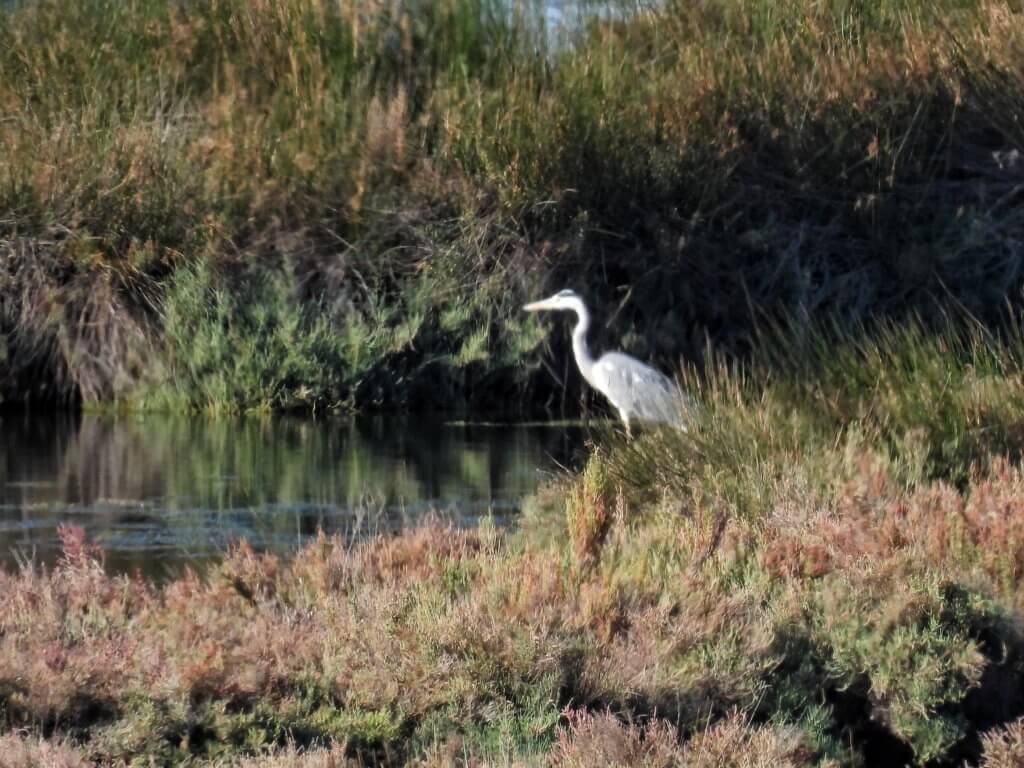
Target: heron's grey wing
[636, 388]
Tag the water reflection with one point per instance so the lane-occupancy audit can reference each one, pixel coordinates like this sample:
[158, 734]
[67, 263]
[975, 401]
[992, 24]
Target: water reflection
[158, 491]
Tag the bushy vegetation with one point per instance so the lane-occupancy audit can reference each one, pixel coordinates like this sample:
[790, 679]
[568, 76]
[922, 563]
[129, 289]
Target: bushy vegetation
[365, 192]
[262, 205]
[798, 579]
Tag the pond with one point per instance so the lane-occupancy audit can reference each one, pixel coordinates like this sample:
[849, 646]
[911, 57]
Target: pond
[160, 491]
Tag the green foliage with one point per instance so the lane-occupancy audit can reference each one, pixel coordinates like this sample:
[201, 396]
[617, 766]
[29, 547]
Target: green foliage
[915, 654]
[520, 728]
[249, 348]
[940, 401]
[358, 727]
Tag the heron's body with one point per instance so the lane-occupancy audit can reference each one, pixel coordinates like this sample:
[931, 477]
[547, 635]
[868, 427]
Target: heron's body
[638, 391]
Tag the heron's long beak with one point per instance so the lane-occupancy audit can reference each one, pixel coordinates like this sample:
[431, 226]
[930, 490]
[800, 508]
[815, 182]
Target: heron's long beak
[537, 306]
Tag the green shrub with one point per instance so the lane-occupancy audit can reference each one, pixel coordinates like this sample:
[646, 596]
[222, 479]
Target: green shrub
[248, 345]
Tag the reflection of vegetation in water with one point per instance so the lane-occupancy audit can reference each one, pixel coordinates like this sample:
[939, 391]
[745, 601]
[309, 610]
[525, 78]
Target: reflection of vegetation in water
[196, 483]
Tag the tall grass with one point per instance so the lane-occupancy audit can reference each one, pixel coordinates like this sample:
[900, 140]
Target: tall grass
[412, 173]
[925, 405]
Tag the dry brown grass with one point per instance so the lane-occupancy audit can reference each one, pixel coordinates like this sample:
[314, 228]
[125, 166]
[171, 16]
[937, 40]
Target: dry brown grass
[736, 742]
[589, 508]
[602, 739]
[875, 522]
[1004, 747]
[22, 750]
[293, 757]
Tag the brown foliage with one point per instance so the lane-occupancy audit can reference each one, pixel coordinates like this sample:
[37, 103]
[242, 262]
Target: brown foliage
[83, 322]
[293, 757]
[602, 739]
[25, 751]
[1004, 747]
[418, 554]
[589, 506]
[873, 521]
[652, 664]
[736, 743]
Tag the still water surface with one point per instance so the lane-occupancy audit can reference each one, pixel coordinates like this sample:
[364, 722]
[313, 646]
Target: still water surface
[161, 491]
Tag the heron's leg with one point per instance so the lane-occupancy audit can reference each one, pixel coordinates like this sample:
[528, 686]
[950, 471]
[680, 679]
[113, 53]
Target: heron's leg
[625, 420]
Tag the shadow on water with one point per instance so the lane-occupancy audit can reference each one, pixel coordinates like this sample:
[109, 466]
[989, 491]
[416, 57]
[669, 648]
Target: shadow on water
[160, 491]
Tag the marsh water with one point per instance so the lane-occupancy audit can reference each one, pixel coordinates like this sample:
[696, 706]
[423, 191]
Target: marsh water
[158, 492]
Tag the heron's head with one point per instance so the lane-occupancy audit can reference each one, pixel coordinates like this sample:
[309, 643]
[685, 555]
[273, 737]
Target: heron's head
[562, 300]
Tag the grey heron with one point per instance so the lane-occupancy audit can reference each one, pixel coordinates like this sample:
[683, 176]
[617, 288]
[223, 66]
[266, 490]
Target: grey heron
[638, 391]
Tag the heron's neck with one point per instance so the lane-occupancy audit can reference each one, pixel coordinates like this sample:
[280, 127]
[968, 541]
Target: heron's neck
[579, 343]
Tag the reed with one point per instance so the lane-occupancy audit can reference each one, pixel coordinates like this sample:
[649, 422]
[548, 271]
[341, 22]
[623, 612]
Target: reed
[389, 183]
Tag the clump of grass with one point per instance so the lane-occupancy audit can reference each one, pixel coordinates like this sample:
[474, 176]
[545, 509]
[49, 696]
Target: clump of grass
[1004, 747]
[589, 507]
[925, 405]
[247, 346]
[22, 751]
[602, 739]
[734, 741]
[293, 757]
